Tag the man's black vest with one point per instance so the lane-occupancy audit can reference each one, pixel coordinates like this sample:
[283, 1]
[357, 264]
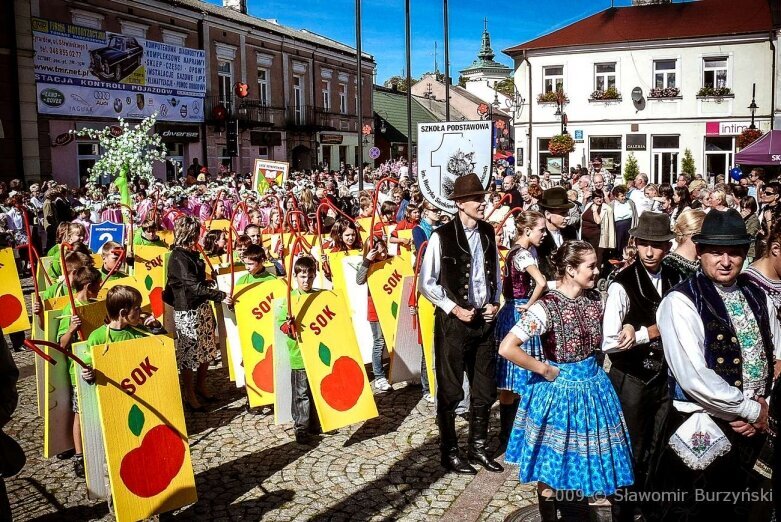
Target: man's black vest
[644, 361]
[723, 352]
[456, 261]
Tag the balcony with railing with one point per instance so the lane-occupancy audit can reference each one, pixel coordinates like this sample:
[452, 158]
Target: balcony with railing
[328, 119]
[250, 113]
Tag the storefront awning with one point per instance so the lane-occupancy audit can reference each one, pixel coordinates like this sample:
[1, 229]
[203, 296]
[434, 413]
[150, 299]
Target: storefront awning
[765, 151]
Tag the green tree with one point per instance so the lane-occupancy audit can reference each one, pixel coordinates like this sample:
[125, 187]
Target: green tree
[461, 81]
[687, 164]
[399, 81]
[631, 170]
[506, 87]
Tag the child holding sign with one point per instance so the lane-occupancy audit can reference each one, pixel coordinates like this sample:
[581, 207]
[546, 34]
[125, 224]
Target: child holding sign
[303, 409]
[111, 253]
[254, 259]
[377, 252]
[86, 283]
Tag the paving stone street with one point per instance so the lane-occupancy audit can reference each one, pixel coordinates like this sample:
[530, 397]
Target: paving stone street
[247, 468]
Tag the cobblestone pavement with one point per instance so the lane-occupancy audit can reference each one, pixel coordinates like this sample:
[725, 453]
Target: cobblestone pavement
[247, 468]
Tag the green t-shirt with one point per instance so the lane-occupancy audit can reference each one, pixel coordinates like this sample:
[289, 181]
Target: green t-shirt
[296, 359]
[255, 278]
[116, 275]
[65, 318]
[140, 240]
[54, 251]
[55, 269]
[55, 290]
[104, 335]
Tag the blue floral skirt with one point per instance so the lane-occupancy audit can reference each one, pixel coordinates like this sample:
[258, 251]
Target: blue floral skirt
[508, 375]
[570, 433]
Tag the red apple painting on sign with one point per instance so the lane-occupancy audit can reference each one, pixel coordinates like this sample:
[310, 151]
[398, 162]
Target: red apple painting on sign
[263, 373]
[141, 416]
[13, 312]
[332, 360]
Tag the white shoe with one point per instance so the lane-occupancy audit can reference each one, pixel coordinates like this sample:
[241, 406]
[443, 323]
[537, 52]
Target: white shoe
[428, 398]
[382, 384]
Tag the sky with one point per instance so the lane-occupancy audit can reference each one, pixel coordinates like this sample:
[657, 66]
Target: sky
[383, 35]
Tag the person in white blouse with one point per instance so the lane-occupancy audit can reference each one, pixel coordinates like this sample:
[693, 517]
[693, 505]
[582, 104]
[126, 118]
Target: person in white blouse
[718, 338]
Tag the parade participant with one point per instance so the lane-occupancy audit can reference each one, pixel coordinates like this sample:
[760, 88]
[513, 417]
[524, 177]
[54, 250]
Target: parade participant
[302, 405]
[146, 234]
[377, 253]
[523, 284]
[631, 338]
[214, 243]
[240, 246]
[684, 258]
[411, 217]
[123, 309]
[460, 276]
[61, 232]
[555, 207]
[254, 261]
[73, 261]
[345, 236]
[188, 291]
[111, 254]
[75, 236]
[425, 227]
[718, 341]
[85, 283]
[569, 434]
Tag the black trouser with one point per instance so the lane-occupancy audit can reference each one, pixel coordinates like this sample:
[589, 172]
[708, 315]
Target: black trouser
[645, 406]
[460, 347]
[701, 495]
[303, 406]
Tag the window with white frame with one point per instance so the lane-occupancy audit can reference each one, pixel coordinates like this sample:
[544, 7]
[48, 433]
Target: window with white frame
[665, 74]
[326, 88]
[714, 72]
[263, 86]
[298, 99]
[174, 37]
[87, 19]
[553, 78]
[133, 29]
[342, 98]
[604, 76]
[224, 80]
[87, 154]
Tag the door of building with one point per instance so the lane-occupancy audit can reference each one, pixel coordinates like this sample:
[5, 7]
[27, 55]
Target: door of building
[719, 153]
[665, 159]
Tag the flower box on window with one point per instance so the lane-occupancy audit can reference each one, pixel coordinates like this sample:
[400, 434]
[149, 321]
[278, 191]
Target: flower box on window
[611, 93]
[666, 92]
[552, 97]
[714, 92]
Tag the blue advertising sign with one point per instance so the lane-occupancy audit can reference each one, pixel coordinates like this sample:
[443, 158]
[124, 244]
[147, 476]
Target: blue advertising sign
[102, 233]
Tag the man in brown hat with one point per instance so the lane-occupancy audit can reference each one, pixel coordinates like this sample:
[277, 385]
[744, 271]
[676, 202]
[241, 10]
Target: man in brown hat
[632, 340]
[555, 205]
[460, 276]
[718, 341]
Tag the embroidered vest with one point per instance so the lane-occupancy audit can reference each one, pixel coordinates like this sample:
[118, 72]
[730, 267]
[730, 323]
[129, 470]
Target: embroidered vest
[644, 361]
[574, 326]
[723, 353]
[516, 284]
[456, 262]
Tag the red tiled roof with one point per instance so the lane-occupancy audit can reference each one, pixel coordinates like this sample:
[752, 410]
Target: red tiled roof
[659, 22]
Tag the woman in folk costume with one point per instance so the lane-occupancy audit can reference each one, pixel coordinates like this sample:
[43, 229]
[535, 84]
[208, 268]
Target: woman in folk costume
[569, 433]
[523, 284]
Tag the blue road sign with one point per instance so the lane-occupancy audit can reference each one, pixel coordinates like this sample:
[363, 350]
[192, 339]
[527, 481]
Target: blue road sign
[102, 233]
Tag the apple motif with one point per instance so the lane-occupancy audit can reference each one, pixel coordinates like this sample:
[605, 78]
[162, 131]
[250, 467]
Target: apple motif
[155, 297]
[10, 310]
[263, 373]
[341, 388]
[147, 470]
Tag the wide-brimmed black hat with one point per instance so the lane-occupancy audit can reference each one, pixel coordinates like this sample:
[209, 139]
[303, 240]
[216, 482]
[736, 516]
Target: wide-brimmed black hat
[725, 228]
[652, 226]
[467, 186]
[555, 198]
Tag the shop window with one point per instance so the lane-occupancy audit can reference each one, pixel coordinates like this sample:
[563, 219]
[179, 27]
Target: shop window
[609, 148]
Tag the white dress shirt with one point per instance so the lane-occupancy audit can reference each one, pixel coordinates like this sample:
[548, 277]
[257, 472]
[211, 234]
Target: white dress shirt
[431, 266]
[555, 234]
[683, 338]
[616, 308]
[642, 203]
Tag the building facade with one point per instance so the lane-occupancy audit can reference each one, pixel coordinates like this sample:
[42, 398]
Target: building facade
[651, 81]
[86, 63]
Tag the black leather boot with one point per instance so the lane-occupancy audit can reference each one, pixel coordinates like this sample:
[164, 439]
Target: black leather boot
[547, 507]
[478, 435]
[448, 444]
[506, 420]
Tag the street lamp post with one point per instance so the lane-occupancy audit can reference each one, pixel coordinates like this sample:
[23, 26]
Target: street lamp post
[753, 107]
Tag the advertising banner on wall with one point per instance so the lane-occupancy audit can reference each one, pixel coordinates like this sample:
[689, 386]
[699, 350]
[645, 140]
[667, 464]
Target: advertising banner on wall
[77, 67]
[449, 150]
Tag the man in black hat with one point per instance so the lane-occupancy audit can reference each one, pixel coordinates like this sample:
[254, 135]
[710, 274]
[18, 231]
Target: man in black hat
[718, 341]
[631, 338]
[555, 205]
[460, 276]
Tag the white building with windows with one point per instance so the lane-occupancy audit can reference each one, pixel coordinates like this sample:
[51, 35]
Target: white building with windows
[648, 80]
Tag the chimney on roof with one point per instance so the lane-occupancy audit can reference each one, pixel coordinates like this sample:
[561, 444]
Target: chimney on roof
[236, 5]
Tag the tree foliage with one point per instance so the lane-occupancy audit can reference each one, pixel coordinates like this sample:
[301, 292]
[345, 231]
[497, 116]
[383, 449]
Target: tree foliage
[506, 87]
[631, 169]
[687, 164]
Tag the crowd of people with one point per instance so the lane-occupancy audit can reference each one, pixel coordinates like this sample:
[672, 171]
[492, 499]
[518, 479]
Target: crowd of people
[688, 316]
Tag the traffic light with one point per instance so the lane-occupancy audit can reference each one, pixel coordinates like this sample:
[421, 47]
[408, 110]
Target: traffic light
[232, 135]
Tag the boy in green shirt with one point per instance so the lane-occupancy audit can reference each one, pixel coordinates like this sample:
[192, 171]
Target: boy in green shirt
[85, 282]
[303, 408]
[146, 234]
[254, 259]
[111, 252]
[73, 261]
